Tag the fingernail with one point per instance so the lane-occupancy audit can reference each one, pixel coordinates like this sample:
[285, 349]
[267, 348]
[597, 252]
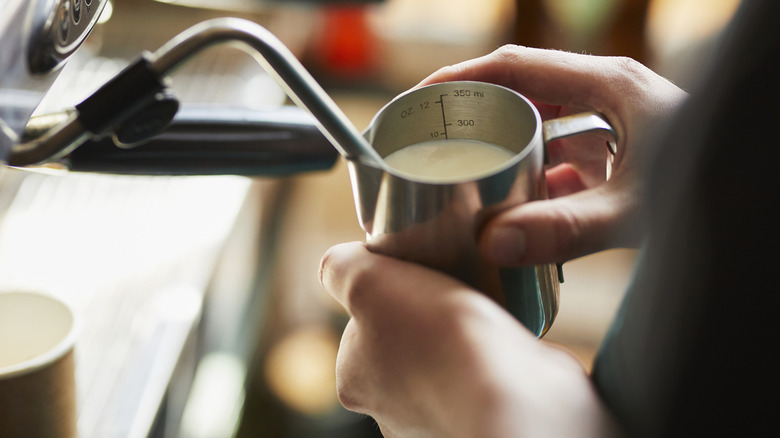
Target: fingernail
[506, 245]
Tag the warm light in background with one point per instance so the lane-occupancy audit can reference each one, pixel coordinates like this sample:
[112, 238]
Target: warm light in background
[581, 18]
[680, 34]
[300, 370]
[674, 24]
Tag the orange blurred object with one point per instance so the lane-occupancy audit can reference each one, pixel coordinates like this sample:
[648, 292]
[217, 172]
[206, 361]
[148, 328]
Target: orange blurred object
[345, 46]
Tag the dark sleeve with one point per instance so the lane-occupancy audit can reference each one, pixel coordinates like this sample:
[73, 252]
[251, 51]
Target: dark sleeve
[693, 349]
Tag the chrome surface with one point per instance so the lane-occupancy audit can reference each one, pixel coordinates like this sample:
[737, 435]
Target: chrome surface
[36, 37]
[579, 124]
[58, 28]
[275, 58]
[52, 145]
[280, 63]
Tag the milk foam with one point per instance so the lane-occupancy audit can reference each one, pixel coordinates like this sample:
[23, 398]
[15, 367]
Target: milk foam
[446, 160]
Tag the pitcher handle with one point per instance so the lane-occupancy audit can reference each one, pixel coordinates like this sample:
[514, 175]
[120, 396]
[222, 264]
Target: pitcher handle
[580, 124]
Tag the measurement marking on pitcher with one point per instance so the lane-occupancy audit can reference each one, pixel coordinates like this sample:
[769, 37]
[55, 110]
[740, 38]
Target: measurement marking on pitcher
[443, 118]
[468, 93]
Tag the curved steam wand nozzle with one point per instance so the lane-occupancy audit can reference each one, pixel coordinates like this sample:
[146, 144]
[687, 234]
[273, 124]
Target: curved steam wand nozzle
[113, 103]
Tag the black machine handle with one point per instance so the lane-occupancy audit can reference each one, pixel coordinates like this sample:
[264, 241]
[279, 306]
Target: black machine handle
[203, 140]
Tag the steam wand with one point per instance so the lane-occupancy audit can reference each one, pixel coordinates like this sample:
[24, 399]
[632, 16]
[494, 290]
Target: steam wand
[137, 104]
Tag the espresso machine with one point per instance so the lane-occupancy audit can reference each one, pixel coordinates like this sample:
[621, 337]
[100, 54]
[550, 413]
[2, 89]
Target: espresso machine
[135, 124]
[128, 201]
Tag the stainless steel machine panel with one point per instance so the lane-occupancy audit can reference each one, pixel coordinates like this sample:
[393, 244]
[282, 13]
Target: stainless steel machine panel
[36, 38]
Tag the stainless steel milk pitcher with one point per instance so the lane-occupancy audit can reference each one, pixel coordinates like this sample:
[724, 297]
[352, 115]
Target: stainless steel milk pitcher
[436, 223]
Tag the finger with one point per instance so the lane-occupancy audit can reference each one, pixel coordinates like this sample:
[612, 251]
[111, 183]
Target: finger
[584, 156]
[617, 87]
[563, 180]
[559, 229]
[553, 77]
[351, 377]
[365, 282]
[334, 267]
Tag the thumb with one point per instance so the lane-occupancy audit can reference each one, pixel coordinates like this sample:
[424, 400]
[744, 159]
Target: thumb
[559, 229]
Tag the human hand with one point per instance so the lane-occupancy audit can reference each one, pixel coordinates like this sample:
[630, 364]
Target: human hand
[585, 213]
[426, 356]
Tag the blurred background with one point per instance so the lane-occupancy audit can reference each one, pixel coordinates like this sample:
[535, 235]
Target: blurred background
[203, 315]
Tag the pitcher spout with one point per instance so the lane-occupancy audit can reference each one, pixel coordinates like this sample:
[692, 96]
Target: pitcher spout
[365, 180]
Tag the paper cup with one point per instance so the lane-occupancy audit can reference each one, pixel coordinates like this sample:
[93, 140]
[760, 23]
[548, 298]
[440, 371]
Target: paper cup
[37, 379]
